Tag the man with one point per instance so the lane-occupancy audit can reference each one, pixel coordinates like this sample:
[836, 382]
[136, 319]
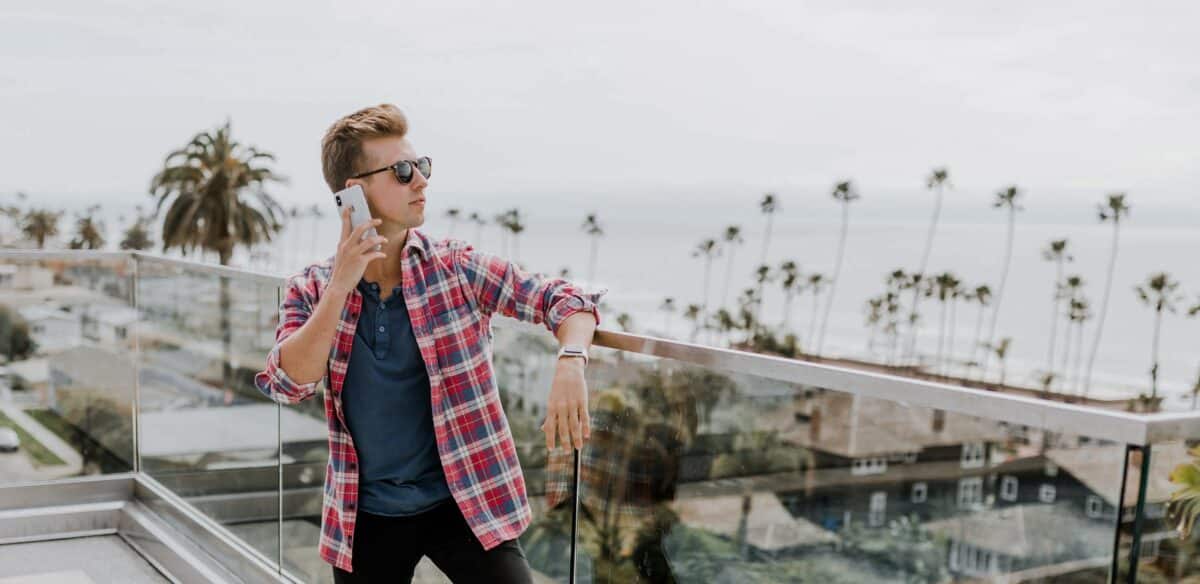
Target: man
[421, 458]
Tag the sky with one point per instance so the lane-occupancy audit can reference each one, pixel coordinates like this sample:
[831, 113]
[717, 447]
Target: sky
[619, 100]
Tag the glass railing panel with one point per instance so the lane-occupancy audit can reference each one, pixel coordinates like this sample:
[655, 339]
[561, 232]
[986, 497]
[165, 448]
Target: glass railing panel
[205, 431]
[694, 473]
[304, 467]
[68, 374]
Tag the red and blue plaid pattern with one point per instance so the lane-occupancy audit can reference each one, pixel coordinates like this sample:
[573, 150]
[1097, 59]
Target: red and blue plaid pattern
[451, 291]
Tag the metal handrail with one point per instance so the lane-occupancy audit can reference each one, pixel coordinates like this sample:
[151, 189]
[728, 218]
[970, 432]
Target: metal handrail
[1124, 427]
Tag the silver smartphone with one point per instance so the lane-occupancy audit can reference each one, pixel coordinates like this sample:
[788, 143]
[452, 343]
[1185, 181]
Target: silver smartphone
[359, 212]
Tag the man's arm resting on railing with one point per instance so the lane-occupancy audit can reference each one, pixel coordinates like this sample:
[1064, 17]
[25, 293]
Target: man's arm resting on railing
[303, 339]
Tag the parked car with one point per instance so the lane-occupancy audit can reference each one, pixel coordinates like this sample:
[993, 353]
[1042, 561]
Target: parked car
[9, 441]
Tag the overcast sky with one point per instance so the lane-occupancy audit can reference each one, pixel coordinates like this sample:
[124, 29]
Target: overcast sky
[1065, 99]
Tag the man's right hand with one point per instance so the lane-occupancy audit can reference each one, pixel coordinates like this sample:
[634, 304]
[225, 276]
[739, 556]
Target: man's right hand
[354, 253]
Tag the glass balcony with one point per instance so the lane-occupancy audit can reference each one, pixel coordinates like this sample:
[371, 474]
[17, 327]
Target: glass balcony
[144, 442]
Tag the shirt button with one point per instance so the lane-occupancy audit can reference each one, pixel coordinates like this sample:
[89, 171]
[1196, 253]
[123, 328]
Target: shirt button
[381, 329]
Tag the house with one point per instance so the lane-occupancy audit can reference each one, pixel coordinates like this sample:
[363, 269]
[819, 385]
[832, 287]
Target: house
[25, 276]
[53, 329]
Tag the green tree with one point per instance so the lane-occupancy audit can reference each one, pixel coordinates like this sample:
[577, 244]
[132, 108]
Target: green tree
[981, 295]
[937, 181]
[137, 236]
[1055, 251]
[769, 205]
[1005, 199]
[1001, 350]
[844, 193]
[214, 191]
[591, 227]
[1159, 292]
[789, 280]
[815, 284]
[1078, 314]
[708, 249]
[89, 231]
[16, 343]
[694, 313]
[1113, 210]
[762, 275]
[1071, 291]
[668, 308]
[39, 225]
[1184, 505]
[733, 238]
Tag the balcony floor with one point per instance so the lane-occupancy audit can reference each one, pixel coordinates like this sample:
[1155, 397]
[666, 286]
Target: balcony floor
[84, 560]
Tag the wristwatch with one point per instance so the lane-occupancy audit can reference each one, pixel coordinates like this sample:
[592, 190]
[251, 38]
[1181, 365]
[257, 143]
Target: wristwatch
[574, 351]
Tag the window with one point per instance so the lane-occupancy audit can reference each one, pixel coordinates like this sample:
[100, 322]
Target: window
[868, 466]
[1008, 488]
[970, 491]
[1046, 493]
[973, 454]
[878, 510]
[920, 492]
[1095, 507]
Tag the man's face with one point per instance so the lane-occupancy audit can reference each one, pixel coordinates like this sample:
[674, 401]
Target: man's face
[388, 199]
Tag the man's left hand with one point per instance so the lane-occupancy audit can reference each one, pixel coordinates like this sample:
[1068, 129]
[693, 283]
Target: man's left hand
[567, 417]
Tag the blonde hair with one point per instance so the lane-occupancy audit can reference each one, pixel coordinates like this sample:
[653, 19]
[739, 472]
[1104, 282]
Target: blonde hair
[341, 148]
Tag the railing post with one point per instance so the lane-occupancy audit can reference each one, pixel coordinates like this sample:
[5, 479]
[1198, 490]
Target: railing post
[1138, 515]
[1115, 568]
[137, 363]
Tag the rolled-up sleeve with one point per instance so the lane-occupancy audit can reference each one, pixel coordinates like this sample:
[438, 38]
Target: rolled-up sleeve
[502, 286]
[273, 381]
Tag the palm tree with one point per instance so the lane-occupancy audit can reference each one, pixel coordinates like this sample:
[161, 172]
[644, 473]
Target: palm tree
[502, 221]
[874, 310]
[747, 305]
[137, 236]
[937, 181]
[668, 307]
[789, 280]
[1056, 251]
[845, 194]
[1184, 505]
[762, 275]
[479, 222]
[725, 323]
[1005, 199]
[982, 295]
[1001, 350]
[453, 214]
[769, 205]
[89, 232]
[944, 287]
[693, 313]
[215, 188]
[816, 284]
[896, 282]
[625, 322]
[1071, 290]
[1079, 313]
[1112, 210]
[516, 227]
[733, 238]
[40, 225]
[1158, 292]
[592, 228]
[709, 249]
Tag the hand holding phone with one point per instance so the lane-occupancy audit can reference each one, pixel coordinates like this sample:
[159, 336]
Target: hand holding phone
[359, 244]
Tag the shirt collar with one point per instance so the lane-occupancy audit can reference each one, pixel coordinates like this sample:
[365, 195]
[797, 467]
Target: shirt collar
[417, 240]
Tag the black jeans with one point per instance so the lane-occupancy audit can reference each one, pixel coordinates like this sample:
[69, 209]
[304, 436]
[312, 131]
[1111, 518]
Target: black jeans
[387, 549]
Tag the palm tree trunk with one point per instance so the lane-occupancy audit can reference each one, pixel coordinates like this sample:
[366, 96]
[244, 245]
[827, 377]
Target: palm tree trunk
[1154, 353]
[728, 278]
[1012, 223]
[226, 331]
[1054, 316]
[1066, 358]
[707, 280]
[913, 327]
[1112, 265]
[837, 270]
[787, 310]
[479, 235]
[812, 325]
[953, 325]
[977, 337]
[1078, 356]
[937, 367]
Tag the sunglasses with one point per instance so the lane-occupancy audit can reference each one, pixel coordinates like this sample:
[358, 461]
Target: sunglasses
[404, 169]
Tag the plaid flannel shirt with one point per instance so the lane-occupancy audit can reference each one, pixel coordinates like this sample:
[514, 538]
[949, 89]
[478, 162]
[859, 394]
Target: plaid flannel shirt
[451, 292]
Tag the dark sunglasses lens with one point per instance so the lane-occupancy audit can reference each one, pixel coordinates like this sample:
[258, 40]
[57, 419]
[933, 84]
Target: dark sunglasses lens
[425, 165]
[404, 171]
